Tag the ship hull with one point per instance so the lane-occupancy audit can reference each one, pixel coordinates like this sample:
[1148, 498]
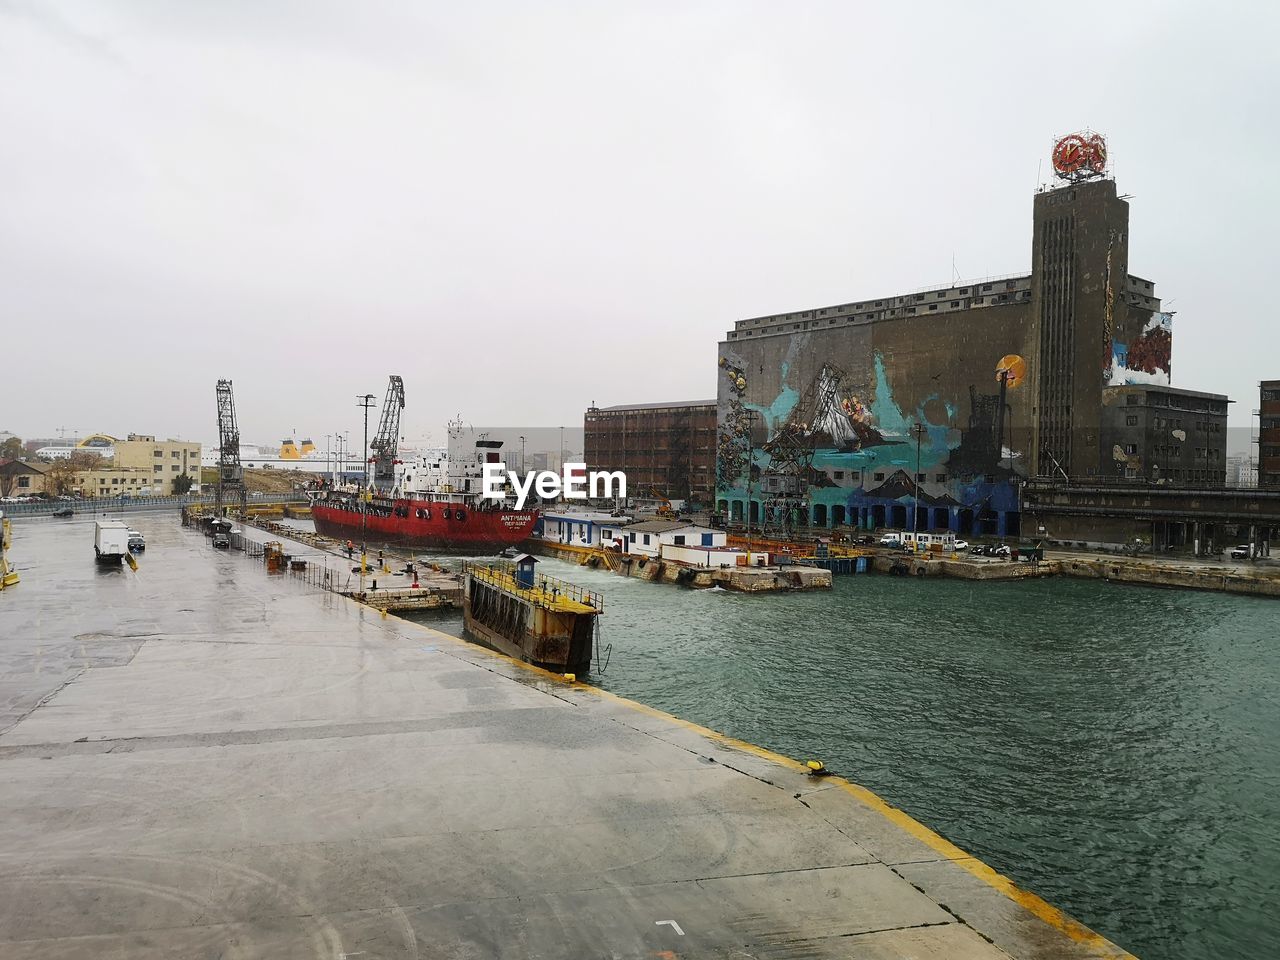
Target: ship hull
[425, 525]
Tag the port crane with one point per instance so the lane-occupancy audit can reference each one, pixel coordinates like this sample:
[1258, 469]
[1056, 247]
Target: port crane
[230, 472]
[386, 443]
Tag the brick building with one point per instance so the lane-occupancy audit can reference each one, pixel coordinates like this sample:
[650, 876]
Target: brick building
[663, 448]
[1269, 433]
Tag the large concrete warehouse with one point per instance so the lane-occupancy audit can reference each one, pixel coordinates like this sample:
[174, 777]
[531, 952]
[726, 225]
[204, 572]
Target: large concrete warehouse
[844, 409]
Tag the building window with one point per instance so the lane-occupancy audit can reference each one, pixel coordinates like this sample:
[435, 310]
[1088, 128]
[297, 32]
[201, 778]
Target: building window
[159, 467]
[1131, 448]
[921, 478]
[933, 306]
[24, 482]
[174, 454]
[157, 453]
[880, 476]
[1132, 421]
[1132, 399]
[940, 477]
[837, 475]
[955, 303]
[646, 539]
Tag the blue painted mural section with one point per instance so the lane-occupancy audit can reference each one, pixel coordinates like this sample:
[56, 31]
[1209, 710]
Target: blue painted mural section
[870, 480]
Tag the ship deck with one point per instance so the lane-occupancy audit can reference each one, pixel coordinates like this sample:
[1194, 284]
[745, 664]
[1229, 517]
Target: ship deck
[203, 760]
[546, 594]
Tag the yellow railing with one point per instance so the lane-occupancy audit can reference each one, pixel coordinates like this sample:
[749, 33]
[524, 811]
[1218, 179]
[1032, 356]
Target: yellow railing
[548, 592]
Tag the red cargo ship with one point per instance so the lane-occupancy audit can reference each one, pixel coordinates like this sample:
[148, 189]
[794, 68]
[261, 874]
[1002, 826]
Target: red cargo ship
[450, 526]
[434, 504]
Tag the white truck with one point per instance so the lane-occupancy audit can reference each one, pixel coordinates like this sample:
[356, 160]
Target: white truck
[110, 540]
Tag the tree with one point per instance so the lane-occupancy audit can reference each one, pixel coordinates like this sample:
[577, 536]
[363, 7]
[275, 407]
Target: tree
[64, 472]
[182, 483]
[11, 449]
[61, 477]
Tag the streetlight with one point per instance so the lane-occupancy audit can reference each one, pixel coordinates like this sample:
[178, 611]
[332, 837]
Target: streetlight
[562, 449]
[919, 431]
[750, 416]
[522, 456]
[365, 401]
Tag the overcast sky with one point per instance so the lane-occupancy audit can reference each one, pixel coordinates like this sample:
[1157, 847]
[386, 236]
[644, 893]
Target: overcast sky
[525, 207]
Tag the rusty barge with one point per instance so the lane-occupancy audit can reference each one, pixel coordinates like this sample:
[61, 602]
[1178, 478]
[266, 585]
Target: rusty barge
[550, 623]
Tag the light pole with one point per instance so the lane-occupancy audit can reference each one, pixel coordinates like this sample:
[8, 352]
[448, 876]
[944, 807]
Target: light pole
[870, 455]
[918, 430]
[562, 449]
[751, 456]
[522, 456]
[364, 401]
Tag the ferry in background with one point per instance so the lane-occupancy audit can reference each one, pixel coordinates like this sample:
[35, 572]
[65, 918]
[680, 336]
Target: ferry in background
[433, 504]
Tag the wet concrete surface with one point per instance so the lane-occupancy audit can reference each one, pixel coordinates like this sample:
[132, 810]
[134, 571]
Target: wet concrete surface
[202, 760]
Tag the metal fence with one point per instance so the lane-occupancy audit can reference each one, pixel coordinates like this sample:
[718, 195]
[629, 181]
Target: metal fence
[91, 505]
[315, 574]
[502, 574]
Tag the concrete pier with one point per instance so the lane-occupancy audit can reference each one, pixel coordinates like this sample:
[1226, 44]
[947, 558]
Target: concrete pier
[203, 760]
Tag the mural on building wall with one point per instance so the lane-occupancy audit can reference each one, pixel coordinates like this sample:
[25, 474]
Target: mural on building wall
[1146, 359]
[835, 451]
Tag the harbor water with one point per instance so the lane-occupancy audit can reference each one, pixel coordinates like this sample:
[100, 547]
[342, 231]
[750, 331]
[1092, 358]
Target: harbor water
[1114, 749]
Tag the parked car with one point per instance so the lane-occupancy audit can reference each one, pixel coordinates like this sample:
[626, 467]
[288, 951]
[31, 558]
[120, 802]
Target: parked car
[63, 512]
[962, 544]
[1241, 552]
[1001, 551]
[137, 543]
[222, 540]
[891, 540]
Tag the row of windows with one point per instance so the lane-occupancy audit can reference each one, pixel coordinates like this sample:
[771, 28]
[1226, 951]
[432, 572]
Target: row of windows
[1203, 476]
[892, 301]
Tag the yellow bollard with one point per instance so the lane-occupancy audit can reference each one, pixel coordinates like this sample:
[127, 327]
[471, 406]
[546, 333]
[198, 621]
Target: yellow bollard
[571, 677]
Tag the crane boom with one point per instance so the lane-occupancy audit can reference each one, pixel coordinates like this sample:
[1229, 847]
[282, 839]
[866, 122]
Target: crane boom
[386, 443]
[230, 472]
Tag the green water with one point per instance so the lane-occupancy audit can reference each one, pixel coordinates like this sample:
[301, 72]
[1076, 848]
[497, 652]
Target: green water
[1114, 749]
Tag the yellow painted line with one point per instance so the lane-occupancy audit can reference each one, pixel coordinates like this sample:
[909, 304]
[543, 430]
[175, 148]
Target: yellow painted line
[1033, 904]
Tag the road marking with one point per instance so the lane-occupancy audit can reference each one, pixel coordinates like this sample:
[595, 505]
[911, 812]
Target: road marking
[670, 923]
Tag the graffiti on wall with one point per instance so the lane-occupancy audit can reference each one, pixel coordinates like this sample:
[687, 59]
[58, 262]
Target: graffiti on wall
[834, 450]
[1146, 358]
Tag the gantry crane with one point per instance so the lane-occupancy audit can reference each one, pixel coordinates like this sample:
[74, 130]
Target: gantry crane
[383, 448]
[230, 472]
